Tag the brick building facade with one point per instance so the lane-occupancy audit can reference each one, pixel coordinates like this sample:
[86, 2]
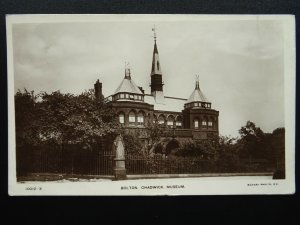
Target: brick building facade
[191, 118]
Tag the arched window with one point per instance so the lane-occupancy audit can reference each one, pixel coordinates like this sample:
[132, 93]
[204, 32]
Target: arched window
[140, 118]
[204, 123]
[161, 120]
[170, 121]
[196, 123]
[178, 122]
[131, 117]
[210, 122]
[122, 118]
[154, 118]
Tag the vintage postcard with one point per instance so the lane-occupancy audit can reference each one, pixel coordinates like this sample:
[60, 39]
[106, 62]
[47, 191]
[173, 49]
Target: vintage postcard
[151, 104]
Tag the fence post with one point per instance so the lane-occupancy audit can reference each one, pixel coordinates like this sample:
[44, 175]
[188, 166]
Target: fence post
[119, 169]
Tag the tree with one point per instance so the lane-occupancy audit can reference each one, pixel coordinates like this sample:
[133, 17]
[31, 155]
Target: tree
[269, 147]
[251, 141]
[154, 133]
[278, 145]
[25, 128]
[227, 154]
[133, 146]
[25, 117]
[65, 118]
[205, 149]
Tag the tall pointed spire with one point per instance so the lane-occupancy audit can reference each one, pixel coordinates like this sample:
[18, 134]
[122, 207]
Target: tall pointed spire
[156, 69]
[156, 74]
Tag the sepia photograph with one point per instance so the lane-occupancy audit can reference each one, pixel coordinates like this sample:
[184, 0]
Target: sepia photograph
[151, 104]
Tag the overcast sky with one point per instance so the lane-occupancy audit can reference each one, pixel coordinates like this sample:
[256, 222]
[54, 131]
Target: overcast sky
[239, 63]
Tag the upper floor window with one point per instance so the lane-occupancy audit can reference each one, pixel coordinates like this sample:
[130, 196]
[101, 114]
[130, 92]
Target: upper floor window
[121, 118]
[140, 118]
[170, 123]
[178, 124]
[210, 123]
[161, 120]
[204, 123]
[132, 117]
[196, 123]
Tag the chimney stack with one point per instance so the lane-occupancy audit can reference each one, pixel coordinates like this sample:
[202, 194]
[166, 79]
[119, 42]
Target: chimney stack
[98, 90]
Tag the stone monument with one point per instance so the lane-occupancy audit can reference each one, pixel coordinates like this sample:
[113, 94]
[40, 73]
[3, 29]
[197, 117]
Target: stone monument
[119, 169]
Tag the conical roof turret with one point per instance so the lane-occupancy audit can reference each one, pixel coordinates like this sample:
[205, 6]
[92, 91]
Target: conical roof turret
[197, 95]
[127, 85]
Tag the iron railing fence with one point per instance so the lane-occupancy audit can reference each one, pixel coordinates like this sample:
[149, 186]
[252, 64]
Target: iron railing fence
[152, 165]
[74, 161]
[66, 161]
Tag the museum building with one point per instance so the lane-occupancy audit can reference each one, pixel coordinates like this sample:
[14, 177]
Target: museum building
[187, 118]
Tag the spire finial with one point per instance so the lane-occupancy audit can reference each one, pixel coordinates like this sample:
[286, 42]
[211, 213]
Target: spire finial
[154, 33]
[127, 71]
[197, 82]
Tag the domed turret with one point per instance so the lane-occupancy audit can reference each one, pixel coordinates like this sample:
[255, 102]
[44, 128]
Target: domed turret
[197, 99]
[128, 90]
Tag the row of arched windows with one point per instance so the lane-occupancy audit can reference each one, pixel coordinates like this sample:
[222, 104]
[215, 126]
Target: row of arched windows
[132, 118]
[170, 121]
[139, 119]
[204, 123]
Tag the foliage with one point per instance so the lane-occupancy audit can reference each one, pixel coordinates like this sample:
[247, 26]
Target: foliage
[254, 143]
[25, 115]
[154, 132]
[205, 149]
[60, 119]
[227, 153]
[278, 145]
[63, 118]
[133, 145]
